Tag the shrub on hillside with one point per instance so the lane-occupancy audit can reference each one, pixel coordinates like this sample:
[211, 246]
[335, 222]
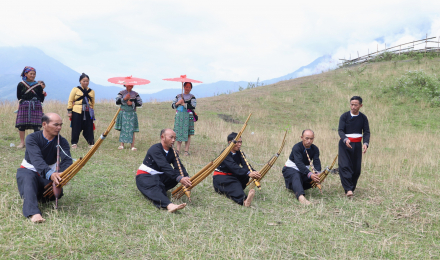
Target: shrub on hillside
[419, 85]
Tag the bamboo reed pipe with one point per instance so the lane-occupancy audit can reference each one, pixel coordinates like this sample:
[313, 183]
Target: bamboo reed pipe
[210, 167]
[73, 169]
[268, 166]
[187, 193]
[323, 175]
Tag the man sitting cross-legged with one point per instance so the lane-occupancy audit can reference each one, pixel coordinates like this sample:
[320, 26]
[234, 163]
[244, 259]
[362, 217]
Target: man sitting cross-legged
[231, 177]
[155, 176]
[297, 173]
[38, 167]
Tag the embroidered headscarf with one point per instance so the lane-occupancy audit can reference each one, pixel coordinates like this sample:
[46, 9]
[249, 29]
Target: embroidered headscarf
[23, 75]
[25, 71]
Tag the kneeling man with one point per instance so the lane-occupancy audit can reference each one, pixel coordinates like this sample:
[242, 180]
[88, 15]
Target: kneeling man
[155, 176]
[231, 177]
[297, 173]
[38, 167]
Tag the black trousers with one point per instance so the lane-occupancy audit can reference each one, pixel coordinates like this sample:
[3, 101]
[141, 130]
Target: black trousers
[31, 188]
[232, 186]
[350, 162]
[296, 181]
[86, 126]
[154, 188]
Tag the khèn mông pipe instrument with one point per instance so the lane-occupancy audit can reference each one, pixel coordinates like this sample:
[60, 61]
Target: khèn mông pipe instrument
[75, 167]
[323, 175]
[253, 182]
[210, 167]
[57, 191]
[187, 192]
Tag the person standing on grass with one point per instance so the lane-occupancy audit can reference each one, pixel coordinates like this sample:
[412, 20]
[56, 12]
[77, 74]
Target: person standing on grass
[353, 126]
[127, 121]
[296, 172]
[184, 119]
[38, 167]
[155, 175]
[232, 175]
[80, 109]
[30, 95]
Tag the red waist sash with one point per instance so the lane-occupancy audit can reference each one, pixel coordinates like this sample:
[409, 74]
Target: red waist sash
[221, 173]
[21, 166]
[355, 140]
[141, 172]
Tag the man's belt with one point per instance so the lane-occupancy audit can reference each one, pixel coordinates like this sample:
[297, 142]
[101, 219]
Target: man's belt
[221, 173]
[355, 139]
[139, 172]
[21, 166]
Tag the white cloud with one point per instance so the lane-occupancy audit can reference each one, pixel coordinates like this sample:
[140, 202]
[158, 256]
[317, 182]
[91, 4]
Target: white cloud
[209, 40]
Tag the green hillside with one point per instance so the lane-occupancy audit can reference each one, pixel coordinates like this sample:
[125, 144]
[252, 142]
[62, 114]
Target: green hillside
[395, 213]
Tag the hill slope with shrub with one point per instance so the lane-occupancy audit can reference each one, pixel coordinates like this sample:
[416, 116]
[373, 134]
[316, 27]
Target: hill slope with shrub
[395, 213]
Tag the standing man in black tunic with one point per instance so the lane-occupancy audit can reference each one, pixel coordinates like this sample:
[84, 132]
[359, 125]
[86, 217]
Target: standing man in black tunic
[155, 175]
[232, 175]
[297, 173]
[353, 125]
[38, 167]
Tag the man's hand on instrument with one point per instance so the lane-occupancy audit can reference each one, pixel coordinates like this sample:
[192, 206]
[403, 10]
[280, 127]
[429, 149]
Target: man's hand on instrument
[55, 177]
[185, 181]
[255, 175]
[347, 143]
[364, 148]
[315, 177]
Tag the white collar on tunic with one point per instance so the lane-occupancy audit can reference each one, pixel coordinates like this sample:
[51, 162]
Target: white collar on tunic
[354, 115]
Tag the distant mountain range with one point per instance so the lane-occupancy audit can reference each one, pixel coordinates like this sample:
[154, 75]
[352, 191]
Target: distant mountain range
[61, 79]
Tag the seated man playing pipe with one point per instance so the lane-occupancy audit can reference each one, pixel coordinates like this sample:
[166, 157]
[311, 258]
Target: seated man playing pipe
[38, 167]
[297, 173]
[155, 175]
[231, 177]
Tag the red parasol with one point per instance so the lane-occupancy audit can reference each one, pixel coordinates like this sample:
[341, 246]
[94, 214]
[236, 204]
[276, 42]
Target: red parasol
[128, 81]
[182, 79]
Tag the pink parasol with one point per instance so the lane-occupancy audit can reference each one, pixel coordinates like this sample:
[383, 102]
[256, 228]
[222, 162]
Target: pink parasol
[128, 81]
[182, 79]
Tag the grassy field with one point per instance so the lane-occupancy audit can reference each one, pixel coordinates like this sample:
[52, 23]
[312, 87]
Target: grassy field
[394, 215]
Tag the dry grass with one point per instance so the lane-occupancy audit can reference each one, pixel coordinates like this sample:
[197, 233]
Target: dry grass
[395, 213]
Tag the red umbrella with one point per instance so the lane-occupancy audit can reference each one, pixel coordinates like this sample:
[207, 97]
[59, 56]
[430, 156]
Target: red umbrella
[182, 79]
[128, 81]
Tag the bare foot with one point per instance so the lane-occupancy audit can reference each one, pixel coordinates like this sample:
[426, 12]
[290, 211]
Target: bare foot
[173, 207]
[349, 194]
[37, 218]
[303, 200]
[248, 201]
[74, 146]
[21, 145]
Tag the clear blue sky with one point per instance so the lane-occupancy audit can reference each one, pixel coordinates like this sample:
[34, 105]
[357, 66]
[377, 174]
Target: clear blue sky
[208, 40]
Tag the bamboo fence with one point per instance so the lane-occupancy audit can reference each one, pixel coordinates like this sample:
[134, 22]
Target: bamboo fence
[413, 47]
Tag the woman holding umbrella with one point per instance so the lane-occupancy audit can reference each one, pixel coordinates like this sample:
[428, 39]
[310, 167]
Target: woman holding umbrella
[127, 121]
[31, 95]
[80, 111]
[184, 104]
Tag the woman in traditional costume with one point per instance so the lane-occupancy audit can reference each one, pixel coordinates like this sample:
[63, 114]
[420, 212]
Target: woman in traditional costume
[184, 120]
[80, 109]
[30, 95]
[127, 121]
